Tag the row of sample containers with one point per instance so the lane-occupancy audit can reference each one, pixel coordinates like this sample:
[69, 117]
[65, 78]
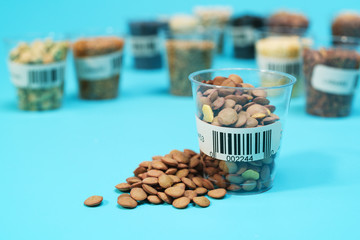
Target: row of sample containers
[280, 42]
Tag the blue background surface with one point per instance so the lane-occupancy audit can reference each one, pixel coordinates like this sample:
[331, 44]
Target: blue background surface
[51, 162]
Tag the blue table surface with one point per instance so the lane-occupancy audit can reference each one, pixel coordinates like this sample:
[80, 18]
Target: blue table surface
[50, 162]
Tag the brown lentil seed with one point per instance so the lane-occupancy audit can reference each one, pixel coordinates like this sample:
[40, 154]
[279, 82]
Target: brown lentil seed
[217, 193]
[150, 190]
[201, 190]
[181, 203]
[169, 161]
[154, 199]
[150, 181]
[93, 201]
[182, 173]
[190, 184]
[138, 194]
[155, 173]
[127, 202]
[124, 187]
[175, 192]
[201, 201]
[171, 171]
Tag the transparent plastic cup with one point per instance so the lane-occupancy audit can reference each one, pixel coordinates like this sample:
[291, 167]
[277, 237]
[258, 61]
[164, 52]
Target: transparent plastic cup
[240, 128]
[242, 34]
[187, 53]
[281, 50]
[216, 18]
[146, 43]
[98, 61]
[37, 65]
[331, 72]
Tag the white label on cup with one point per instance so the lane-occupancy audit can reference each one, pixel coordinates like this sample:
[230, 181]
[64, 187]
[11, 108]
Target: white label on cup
[98, 67]
[334, 80]
[37, 75]
[291, 66]
[239, 144]
[243, 36]
[145, 46]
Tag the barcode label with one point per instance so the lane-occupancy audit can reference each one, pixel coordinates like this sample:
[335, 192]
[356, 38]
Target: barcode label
[37, 76]
[334, 80]
[291, 66]
[239, 144]
[99, 67]
[145, 46]
[243, 36]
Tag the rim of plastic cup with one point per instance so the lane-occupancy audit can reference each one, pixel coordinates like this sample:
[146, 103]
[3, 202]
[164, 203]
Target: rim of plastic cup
[30, 36]
[292, 78]
[268, 31]
[197, 31]
[341, 38]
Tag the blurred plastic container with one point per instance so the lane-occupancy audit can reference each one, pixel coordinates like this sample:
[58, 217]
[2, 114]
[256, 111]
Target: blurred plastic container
[215, 18]
[146, 44]
[240, 124]
[98, 61]
[187, 53]
[243, 33]
[282, 52]
[332, 74]
[37, 65]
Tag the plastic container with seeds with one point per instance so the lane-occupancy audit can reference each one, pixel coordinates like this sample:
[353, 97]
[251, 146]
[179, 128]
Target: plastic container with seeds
[37, 69]
[283, 53]
[215, 17]
[240, 124]
[187, 53]
[243, 34]
[98, 61]
[332, 74]
[146, 44]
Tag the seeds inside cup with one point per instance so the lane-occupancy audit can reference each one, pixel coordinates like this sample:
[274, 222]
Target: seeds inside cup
[186, 54]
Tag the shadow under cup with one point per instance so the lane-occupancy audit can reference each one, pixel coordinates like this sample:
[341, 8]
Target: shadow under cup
[240, 128]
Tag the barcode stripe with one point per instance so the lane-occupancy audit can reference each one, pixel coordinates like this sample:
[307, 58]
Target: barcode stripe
[263, 148]
[46, 76]
[116, 62]
[247, 144]
[291, 68]
[224, 137]
[235, 144]
[222, 143]
[230, 146]
[213, 138]
[242, 144]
